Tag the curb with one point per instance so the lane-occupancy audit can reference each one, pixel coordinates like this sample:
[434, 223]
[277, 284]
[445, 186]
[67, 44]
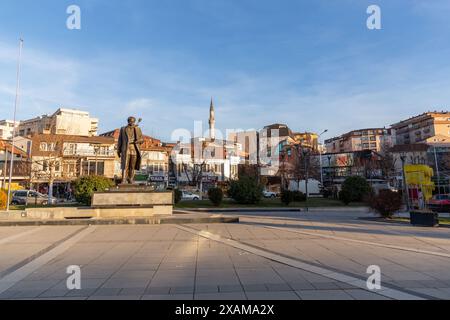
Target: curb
[123, 221]
[315, 209]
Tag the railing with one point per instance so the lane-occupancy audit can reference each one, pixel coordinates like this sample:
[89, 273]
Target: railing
[89, 153]
[20, 169]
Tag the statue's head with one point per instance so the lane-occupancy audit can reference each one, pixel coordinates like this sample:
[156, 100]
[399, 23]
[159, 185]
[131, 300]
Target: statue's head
[131, 121]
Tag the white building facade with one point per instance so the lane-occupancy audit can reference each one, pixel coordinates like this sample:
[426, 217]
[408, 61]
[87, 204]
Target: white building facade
[63, 122]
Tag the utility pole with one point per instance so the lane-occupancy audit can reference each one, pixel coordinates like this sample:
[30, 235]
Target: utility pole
[437, 170]
[5, 167]
[405, 186]
[306, 153]
[14, 122]
[320, 157]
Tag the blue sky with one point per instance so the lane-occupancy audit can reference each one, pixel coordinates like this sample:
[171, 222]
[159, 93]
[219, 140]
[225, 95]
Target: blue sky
[311, 64]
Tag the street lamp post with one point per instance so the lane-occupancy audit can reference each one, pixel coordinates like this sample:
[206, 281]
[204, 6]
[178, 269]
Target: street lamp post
[331, 173]
[320, 158]
[405, 187]
[14, 122]
[437, 170]
[305, 153]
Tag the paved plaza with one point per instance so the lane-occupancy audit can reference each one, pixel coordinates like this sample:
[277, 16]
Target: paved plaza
[268, 255]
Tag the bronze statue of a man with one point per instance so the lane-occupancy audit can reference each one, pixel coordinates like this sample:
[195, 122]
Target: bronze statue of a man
[128, 149]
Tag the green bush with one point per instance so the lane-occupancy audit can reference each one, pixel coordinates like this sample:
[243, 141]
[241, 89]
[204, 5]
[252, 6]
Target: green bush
[386, 203]
[287, 197]
[177, 195]
[215, 195]
[3, 199]
[354, 189]
[84, 187]
[246, 190]
[345, 197]
[299, 196]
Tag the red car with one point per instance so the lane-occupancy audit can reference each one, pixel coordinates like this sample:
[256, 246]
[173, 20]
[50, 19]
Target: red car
[440, 203]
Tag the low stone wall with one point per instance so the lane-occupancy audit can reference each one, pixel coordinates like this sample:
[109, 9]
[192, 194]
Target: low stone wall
[60, 213]
[131, 198]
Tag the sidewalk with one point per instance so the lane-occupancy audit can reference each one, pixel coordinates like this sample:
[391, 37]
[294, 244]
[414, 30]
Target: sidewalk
[278, 209]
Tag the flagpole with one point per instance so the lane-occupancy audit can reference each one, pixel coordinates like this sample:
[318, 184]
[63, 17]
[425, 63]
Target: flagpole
[16, 103]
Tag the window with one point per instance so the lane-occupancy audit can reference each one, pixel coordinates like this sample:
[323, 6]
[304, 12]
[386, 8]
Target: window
[20, 194]
[72, 148]
[51, 146]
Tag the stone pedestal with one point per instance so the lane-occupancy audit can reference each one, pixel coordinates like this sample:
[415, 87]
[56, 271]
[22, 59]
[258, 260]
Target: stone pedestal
[132, 201]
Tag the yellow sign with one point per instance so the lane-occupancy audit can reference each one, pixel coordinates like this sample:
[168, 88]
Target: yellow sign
[419, 176]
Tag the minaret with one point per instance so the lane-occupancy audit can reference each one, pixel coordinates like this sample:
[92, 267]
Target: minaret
[212, 121]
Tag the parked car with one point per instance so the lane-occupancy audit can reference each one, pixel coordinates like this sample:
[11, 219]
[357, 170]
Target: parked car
[187, 195]
[440, 203]
[269, 194]
[30, 197]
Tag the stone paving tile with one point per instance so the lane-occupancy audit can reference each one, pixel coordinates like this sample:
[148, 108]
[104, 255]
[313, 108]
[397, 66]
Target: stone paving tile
[126, 283]
[168, 297]
[360, 294]
[221, 296]
[206, 289]
[278, 287]
[107, 292]
[182, 290]
[29, 294]
[114, 298]
[301, 285]
[152, 290]
[255, 287]
[8, 294]
[231, 288]
[434, 292]
[54, 293]
[325, 285]
[79, 293]
[62, 298]
[324, 295]
[272, 295]
[132, 291]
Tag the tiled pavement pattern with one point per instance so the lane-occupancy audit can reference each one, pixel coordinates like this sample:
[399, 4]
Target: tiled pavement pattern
[165, 262]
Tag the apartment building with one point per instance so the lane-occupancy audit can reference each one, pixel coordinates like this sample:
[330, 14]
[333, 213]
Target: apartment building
[429, 127]
[63, 158]
[7, 128]
[63, 122]
[307, 139]
[374, 139]
[210, 160]
[247, 143]
[21, 165]
[272, 140]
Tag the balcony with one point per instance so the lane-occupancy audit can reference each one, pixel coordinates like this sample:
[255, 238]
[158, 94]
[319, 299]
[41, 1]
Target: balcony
[20, 169]
[89, 153]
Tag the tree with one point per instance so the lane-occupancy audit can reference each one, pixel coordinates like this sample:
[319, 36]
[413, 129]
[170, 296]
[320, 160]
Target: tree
[354, 189]
[45, 168]
[177, 195]
[84, 187]
[3, 199]
[287, 197]
[246, 190]
[215, 195]
[386, 203]
[298, 163]
[387, 162]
